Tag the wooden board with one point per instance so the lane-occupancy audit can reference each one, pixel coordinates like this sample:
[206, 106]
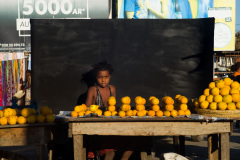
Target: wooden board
[24, 136]
[149, 128]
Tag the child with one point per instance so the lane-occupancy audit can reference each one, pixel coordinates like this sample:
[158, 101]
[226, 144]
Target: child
[99, 95]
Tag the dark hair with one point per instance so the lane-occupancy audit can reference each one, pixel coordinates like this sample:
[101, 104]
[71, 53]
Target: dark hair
[235, 67]
[102, 66]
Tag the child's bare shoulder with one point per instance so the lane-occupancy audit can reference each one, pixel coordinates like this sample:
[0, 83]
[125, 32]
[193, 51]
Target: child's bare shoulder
[91, 89]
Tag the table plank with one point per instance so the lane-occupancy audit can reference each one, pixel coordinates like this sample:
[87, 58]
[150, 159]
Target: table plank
[149, 128]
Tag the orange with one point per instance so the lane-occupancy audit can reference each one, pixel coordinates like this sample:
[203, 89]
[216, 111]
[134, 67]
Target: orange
[220, 84]
[154, 101]
[25, 112]
[224, 91]
[44, 110]
[174, 113]
[177, 96]
[93, 108]
[111, 108]
[209, 98]
[3, 121]
[125, 100]
[12, 120]
[204, 104]
[168, 100]
[1, 113]
[169, 107]
[141, 113]
[211, 85]
[183, 100]
[201, 98]
[234, 90]
[213, 105]
[41, 118]
[217, 98]
[125, 107]
[234, 84]
[227, 81]
[134, 112]
[155, 107]
[235, 97]
[129, 113]
[159, 113]
[150, 98]
[77, 108]
[111, 101]
[206, 91]
[231, 106]
[187, 112]
[143, 101]
[139, 100]
[181, 112]
[21, 120]
[122, 113]
[214, 91]
[31, 119]
[8, 112]
[183, 107]
[88, 112]
[14, 112]
[74, 114]
[98, 112]
[227, 98]
[196, 103]
[222, 105]
[84, 107]
[50, 118]
[114, 113]
[107, 113]
[151, 113]
[140, 107]
[167, 113]
[238, 105]
[81, 113]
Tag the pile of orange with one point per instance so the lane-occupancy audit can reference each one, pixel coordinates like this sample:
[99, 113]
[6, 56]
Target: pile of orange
[26, 115]
[154, 108]
[125, 109]
[220, 95]
[111, 109]
[79, 110]
[182, 105]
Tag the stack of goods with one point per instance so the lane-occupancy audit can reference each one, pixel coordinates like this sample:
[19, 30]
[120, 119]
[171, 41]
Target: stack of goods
[181, 105]
[169, 107]
[111, 109]
[125, 109]
[220, 99]
[154, 108]
[28, 115]
[140, 106]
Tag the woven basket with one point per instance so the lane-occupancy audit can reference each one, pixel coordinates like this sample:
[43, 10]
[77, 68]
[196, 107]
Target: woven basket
[219, 113]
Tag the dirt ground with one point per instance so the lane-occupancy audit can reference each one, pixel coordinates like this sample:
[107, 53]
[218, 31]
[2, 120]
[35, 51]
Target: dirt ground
[193, 150]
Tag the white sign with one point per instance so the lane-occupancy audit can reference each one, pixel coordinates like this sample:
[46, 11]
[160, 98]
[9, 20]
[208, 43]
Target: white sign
[23, 24]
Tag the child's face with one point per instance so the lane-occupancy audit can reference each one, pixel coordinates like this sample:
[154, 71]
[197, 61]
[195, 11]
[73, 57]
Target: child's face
[103, 78]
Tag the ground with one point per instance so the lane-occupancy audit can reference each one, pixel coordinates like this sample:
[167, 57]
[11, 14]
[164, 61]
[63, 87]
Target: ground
[194, 150]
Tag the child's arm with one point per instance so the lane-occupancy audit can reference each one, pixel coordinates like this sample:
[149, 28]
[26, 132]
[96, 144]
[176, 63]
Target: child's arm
[90, 97]
[113, 90]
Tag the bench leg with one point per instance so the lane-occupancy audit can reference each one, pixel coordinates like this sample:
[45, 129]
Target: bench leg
[79, 150]
[213, 146]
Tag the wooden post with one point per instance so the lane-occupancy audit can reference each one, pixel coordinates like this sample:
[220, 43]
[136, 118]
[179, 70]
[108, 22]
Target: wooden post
[144, 156]
[225, 148]
[182, 145]
[79, 150]
[40, 152]
[213, 146]
[176, 143]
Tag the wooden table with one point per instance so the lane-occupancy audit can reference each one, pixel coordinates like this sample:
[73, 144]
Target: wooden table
[218, 131]
[37, 134]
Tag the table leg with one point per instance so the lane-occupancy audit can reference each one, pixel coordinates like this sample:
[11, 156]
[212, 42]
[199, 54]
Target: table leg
[182, 145]
[144, 156]
[79, 150]
[225, 148]
[213, 146]
[40, 152]
[176, 143]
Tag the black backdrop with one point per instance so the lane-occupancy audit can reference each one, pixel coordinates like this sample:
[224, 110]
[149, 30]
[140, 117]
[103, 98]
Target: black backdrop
[149, 57]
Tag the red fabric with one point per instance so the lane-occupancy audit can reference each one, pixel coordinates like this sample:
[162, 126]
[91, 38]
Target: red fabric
[104, 151]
